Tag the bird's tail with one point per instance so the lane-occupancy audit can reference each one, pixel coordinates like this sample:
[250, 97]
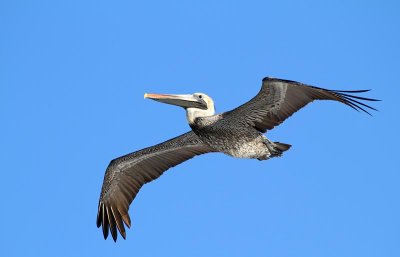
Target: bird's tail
[281, 146]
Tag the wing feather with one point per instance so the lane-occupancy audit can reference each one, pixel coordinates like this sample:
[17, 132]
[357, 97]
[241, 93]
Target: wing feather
[278, 99]
[126, 175]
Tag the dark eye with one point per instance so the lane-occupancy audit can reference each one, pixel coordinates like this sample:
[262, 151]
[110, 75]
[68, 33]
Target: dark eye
[200, 96]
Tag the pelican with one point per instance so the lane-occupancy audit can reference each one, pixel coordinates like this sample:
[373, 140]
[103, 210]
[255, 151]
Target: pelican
[237, 133]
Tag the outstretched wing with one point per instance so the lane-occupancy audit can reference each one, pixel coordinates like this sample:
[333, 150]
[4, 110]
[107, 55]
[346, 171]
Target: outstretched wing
[127, 174]
[278, 99]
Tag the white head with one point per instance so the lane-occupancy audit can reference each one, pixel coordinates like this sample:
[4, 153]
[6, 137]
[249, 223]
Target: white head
[192, 112]
[196, 105]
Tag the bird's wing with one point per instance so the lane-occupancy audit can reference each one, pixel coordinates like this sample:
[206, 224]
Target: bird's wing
[278, 99]
[127, 174]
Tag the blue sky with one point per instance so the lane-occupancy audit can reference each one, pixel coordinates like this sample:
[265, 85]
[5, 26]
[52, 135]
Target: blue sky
[72, 79]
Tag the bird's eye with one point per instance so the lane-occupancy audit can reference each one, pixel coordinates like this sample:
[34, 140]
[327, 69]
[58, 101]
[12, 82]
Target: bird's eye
[200, 96]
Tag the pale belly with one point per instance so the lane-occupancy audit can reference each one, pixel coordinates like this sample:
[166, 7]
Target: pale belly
[251, 150]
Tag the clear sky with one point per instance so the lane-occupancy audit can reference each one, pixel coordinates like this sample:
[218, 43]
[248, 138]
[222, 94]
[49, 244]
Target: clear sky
[72, 79]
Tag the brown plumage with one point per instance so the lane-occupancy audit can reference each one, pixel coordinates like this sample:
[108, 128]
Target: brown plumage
[125, 176]
[236, 133]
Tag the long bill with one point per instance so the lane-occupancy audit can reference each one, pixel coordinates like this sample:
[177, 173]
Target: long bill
[185, 101]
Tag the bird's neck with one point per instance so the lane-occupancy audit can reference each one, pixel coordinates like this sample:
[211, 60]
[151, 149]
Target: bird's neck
[193, 113]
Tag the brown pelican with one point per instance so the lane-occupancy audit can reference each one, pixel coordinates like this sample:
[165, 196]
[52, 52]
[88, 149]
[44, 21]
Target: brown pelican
[237, 133]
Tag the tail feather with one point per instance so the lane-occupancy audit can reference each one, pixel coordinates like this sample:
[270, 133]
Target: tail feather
[282, 147]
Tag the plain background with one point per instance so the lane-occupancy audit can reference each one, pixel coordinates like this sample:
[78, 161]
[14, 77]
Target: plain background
[72, 79]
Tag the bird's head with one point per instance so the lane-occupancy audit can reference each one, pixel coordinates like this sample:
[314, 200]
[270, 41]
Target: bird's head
[196, 105]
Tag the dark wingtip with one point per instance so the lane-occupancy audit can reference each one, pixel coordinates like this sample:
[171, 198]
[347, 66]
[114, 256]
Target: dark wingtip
[354, 101]
[99, 214]
[112, 225]
[346, 95]
[110, 221]
[104, 221]
[352, 91]
[127, 220]
[105, 231]
[355, 96]
[123, 235]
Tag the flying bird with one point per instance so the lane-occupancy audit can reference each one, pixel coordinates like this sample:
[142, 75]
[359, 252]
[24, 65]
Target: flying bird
[238, 133]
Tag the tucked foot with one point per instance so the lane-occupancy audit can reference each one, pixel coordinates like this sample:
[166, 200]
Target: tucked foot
[276, 148]
[275, 152]
[263, 158]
